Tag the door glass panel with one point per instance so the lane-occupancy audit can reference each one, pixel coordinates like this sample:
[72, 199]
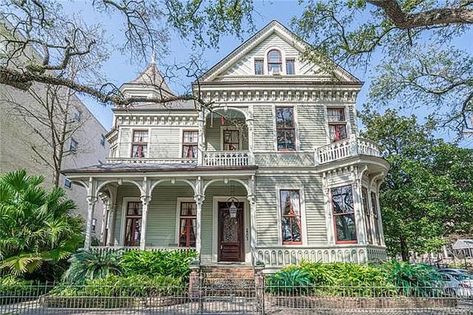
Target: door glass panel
[230, 227]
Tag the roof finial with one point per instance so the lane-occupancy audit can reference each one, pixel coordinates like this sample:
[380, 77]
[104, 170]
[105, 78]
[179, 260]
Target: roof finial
[153, 57]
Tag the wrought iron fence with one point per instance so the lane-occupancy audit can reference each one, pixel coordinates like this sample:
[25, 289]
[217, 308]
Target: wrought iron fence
[224, 297]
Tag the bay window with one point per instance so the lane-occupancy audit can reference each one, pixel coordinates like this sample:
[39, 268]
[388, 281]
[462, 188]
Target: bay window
[285, 129]
[133, 223]
[139, 143]
[337, 124]
[343, 214]
[290, 207]
[374, 207]
[367, 211]
[190, 140]
[187, 224]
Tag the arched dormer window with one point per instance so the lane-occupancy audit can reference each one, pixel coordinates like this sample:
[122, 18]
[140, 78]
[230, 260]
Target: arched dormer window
[274, 61]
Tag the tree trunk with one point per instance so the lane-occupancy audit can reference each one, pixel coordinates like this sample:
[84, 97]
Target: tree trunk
[404, 249]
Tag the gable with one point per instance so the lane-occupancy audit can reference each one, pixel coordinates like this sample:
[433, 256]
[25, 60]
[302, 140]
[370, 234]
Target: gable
[240, 62]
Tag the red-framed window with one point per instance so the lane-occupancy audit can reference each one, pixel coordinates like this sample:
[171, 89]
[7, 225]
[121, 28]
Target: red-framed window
[374, 207]
[367, 211]
[291, 224]
[187, 224]
[231, 139]
[343, 214]
[190, 141]
[337, 124]
[139, 145]
[285, 129]
[133, 223]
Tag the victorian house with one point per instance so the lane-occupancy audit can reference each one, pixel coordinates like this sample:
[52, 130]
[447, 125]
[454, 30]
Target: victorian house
[273, 173]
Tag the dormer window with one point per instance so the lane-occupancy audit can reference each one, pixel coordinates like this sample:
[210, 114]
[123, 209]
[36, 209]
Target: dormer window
[290, 66]
[274, 61]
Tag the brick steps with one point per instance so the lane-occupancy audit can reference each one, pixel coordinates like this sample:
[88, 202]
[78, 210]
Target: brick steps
[228, 281]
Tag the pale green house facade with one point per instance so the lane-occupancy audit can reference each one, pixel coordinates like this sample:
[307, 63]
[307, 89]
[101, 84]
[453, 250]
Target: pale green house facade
[274, 173]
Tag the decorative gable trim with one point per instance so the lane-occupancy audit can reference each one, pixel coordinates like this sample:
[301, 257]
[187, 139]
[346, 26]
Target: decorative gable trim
[273, 27]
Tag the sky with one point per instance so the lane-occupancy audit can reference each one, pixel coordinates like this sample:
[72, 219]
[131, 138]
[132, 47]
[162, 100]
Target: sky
[120, 69]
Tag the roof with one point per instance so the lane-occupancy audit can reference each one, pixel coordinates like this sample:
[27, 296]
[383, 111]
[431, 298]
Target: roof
[174, 105]
[256, 38]
[463, 244]
[150, 167]
[151, 76]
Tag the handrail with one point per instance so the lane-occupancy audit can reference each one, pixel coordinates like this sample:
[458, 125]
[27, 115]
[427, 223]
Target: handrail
[346, 148]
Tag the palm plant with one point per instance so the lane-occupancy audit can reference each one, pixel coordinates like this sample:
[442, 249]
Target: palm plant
[36, 225]
[87, 265]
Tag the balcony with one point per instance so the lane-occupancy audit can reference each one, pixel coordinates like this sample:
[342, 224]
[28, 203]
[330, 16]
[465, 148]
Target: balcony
[119, 160]
[346, 148]
[227, 158]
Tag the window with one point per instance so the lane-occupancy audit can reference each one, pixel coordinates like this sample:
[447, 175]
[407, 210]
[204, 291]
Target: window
[190, 141]
[290, 66]
[290, 216]
[139, 144]
[133, 223]
[94, 224]
[67, 183]
[343, 214]
[259, 66]
[366, 209]
[374, 207]
[77, 115]
[274, 61]
[231, 140]
[187, 226]
[73, 145]
[285, 129]
[337, 124]
[102, 140]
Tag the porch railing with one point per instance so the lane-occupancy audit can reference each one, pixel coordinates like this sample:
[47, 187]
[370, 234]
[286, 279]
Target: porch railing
[108, 249]
[152, 160]
[276, 257]
[227, 158]
[346, 148]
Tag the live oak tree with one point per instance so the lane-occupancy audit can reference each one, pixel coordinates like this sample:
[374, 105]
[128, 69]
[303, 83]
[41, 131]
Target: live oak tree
[60, 37]
[427, 195]
[411, 43]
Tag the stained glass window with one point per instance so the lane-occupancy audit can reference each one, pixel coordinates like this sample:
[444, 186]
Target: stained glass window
[187, 226]
[343, 214]
[285, 129]
[133, 224]
[291, 217]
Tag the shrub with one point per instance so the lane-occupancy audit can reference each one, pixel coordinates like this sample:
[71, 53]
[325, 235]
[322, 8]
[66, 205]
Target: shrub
[164, 263]
[86, 265]
[290, 281]
[124, 286]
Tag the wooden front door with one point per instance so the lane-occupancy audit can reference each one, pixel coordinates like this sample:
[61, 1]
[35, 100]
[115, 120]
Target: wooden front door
[230, 234]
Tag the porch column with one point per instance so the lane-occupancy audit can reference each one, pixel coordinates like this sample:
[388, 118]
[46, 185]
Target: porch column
[144, 219]
[91, 201]
[380, 219]
[111, 226]
[201, 143]
[105, 214]
[253, 236]
[199, 201]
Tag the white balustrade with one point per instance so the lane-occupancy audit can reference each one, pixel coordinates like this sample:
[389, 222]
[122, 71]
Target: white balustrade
[227, 158]
[108, 249]
[277, 257]
[151, 160]
[346, 148]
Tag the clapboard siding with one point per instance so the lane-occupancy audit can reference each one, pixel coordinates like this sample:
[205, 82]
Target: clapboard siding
[264, 127]
[267, 207]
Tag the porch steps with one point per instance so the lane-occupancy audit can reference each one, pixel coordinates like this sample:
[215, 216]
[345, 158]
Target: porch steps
[235, 280]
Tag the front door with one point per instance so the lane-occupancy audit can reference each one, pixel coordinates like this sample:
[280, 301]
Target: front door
[230, 233]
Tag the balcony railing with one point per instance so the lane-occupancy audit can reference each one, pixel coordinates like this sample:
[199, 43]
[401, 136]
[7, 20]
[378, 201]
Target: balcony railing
[346, 148]
[227, 158]
[152, 160]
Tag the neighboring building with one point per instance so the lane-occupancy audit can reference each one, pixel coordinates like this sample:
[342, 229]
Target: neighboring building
[275, 173]
[17, 140]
